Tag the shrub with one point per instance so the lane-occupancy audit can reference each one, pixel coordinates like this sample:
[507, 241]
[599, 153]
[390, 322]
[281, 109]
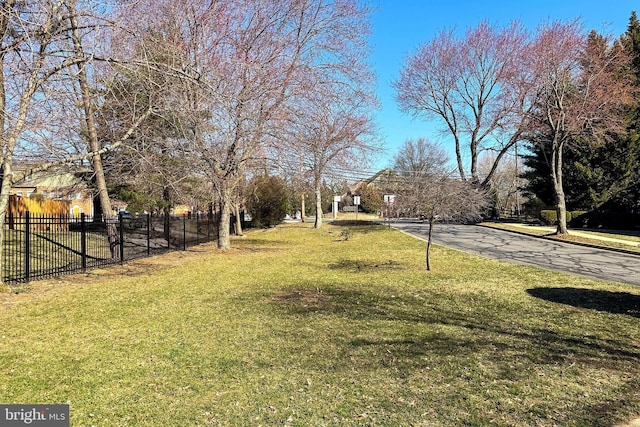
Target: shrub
[345, 234]
[533, 206]
[548, 216]
[267, 200]
[370, 199]
[579, 218]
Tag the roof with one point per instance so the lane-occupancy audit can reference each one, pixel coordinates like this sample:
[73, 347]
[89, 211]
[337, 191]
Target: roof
[54, 179]
[376, 181]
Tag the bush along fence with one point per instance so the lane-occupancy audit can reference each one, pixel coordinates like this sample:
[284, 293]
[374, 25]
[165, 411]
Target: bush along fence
[47, 246]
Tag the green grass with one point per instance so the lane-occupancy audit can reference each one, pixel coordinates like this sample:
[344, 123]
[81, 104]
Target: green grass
[632, 236]
[301, 327]
[587, 236]
[533, 231]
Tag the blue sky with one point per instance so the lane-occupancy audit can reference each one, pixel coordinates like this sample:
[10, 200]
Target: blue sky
[400, 26]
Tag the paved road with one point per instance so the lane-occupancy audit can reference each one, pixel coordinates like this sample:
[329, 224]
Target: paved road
[565, 257]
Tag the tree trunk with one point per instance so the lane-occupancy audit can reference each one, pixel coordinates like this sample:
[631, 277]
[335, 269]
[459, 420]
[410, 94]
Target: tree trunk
[459, 159]
[303, 208]
[561, 209]
[556, 175]
[224, 238]
[428, 254]
[238, 224]
[318, 192]
[92, 133]
[4, 203]
[166, 209]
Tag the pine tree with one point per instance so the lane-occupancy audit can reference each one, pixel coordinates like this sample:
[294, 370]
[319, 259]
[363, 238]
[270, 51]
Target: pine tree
[631, 41]
[628, 198]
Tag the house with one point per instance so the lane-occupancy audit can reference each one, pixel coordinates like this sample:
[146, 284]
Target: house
[63, 185]
[383, 181]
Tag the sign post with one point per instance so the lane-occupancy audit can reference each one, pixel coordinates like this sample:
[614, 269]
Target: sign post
[356, 203]
[388, 201]
[336, 200]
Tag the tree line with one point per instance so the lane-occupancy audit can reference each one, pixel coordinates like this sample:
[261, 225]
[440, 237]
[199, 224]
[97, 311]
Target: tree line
[175, 100]
[603, 179]
[562, 91]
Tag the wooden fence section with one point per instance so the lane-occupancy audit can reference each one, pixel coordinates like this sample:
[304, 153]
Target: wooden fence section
[19, 206]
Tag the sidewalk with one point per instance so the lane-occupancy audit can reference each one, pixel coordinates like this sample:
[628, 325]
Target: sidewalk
[537, 230]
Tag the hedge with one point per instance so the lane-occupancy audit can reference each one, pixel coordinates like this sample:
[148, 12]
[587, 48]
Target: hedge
[550, 216]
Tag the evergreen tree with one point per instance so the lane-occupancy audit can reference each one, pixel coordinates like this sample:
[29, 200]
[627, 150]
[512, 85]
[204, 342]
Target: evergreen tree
[631, 41]
[629, 197]
[267, 200]
[577, 190]
[370, 199]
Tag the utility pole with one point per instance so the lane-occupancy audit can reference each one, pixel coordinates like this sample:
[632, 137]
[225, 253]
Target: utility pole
[517, 185]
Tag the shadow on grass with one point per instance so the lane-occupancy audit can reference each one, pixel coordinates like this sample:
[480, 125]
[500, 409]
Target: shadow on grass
[379, 329]
[358, 226]
[256, 244]
[610, 302]
[468, 325]
[362, 265]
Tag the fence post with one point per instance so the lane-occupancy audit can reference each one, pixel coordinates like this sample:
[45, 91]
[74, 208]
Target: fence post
[148, 234]
[27, 245]
[197, 229]
[121, 242]
[83, 241]
[184, 233]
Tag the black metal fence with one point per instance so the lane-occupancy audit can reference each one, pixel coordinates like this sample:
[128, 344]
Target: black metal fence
[47, 246]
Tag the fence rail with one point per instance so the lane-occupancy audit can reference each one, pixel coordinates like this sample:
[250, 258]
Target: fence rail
[38, 246]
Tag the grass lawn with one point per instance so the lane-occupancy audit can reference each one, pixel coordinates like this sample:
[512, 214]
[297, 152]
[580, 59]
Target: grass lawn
[587, 236]
[301, 327]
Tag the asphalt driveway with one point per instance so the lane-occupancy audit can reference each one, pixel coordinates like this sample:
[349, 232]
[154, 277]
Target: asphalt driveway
[565, 257]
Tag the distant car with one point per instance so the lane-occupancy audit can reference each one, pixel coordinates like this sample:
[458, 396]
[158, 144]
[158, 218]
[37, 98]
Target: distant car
[125, 215]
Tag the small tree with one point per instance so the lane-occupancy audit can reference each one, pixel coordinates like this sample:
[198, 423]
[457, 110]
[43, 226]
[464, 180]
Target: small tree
[425, 187]
[453, 199]
[267, 200]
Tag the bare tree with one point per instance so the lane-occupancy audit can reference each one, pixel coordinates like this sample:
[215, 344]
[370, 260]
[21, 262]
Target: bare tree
[44, 74]
[583, 82]
[425, 187]
[503, 186]
[157, 158]
[246, 60]
[420, 158]
[331, 133]
[35, 54]
[88, 118]
[476, 85]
